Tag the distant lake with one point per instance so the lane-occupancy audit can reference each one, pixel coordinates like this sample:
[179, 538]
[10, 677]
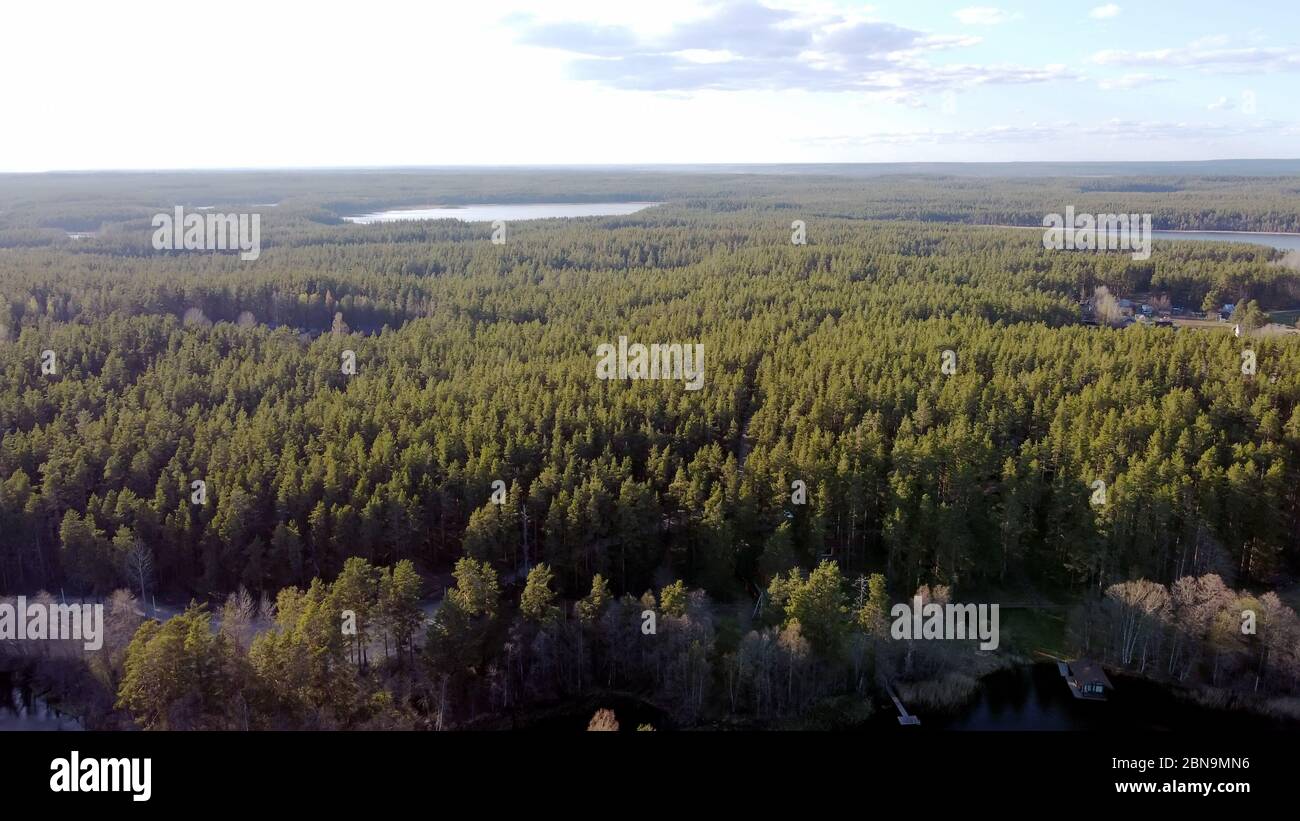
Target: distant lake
[505, 211]
[1286, 242]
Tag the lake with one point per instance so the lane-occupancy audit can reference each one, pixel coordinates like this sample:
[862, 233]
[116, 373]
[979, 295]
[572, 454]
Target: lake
[505, 211]
[1035, 697]
[1286, 242]
[22, 709]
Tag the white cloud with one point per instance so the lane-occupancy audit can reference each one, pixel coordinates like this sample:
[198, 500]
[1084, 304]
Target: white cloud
[1113, 129]
[1232, 60]
[1104, 12]
[983, 16]
[1221, 104]
[1130, 81]
[775, 49]
[705, 55]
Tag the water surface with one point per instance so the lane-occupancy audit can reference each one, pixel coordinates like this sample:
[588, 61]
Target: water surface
[23, 709]
[1286, 242]
[1036, 697]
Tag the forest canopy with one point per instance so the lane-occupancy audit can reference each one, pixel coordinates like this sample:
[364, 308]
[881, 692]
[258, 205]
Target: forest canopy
[475, 365]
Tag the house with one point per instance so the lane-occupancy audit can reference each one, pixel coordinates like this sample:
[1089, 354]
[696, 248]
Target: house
[1087, 680]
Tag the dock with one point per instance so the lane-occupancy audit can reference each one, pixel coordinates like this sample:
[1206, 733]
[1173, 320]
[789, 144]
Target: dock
[904, 717]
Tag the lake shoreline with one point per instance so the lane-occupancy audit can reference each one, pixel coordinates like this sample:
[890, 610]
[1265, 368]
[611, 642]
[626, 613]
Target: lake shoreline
[1293, 234]
[1137, 702]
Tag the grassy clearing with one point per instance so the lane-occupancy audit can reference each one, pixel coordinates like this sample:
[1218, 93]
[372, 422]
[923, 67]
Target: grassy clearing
[1025, 630]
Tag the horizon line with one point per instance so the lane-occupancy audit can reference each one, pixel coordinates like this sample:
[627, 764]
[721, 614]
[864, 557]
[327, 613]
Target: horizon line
[631, 165]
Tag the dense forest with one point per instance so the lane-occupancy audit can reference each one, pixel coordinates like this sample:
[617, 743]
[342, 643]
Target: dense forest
[325, 490]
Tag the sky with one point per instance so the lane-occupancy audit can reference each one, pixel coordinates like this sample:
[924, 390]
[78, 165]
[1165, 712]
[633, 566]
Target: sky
[236, 84]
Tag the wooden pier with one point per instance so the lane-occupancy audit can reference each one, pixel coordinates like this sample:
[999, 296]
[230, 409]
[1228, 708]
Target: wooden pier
[904, 717]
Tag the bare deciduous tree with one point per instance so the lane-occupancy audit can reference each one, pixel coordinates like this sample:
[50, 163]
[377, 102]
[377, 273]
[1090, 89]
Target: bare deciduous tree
[139, 567]
[1105, 307]
[237, 617]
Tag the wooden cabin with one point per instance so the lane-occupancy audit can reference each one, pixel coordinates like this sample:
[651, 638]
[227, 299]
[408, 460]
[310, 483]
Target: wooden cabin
[1087, 680]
